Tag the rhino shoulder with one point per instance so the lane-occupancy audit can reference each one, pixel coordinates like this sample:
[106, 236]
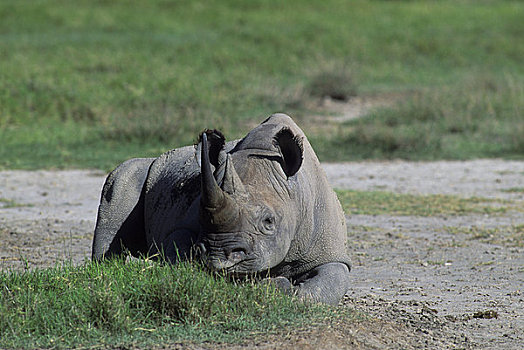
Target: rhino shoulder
[119, 223]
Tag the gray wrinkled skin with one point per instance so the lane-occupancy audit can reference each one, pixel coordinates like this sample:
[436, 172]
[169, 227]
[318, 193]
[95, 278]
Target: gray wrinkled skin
[261, 205]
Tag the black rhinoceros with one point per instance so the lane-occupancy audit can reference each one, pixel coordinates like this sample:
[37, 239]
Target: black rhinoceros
[260, 205]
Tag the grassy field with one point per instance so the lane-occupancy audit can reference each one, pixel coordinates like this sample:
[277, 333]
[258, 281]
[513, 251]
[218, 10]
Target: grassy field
[91, 83]
[140, 304]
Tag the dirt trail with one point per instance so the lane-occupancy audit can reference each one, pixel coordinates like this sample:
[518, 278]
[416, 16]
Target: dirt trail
[427, 282]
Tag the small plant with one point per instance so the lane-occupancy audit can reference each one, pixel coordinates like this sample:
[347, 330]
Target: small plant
[335, 84]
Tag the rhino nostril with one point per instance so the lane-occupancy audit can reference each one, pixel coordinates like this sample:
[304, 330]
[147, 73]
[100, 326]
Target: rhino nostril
[238, 249]
[236, 253]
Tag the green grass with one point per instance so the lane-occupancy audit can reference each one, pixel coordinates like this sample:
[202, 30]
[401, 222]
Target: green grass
[508, 236]
[482, 117]
[92, 83]
[514, 190]
[9, 203]
[388, 203]
[139, 304]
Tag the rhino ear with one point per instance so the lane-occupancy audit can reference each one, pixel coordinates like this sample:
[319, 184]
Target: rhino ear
[292, 150]
[216, 142]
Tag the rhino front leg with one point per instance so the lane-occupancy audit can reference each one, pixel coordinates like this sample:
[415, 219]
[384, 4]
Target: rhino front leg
[326, 283]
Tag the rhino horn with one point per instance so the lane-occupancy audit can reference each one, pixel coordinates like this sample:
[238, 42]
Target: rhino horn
[218, 207]
[212, 195]
[232, 183]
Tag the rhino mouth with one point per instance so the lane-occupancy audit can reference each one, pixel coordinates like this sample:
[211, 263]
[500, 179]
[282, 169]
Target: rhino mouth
[226, 257]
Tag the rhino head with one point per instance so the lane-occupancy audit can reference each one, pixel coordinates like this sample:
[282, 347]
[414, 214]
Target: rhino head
[248, 209]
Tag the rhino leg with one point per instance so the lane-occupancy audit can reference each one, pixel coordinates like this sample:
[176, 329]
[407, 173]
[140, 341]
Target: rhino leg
[120, 223]
[326, 283]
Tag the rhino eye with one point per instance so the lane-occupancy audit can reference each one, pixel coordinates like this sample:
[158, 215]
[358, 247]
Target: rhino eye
[268, 224]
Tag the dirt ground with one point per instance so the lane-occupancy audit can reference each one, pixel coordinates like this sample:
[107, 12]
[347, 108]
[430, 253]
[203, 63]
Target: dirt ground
[423, 282]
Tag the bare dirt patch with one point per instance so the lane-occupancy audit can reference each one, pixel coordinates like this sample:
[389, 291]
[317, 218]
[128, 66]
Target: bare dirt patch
[47, 217]
[435, 282]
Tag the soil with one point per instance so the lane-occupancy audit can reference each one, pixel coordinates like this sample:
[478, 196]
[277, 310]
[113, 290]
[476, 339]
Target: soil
[419, 282]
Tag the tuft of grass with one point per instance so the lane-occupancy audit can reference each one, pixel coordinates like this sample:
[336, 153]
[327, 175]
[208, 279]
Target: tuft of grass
[9, 203]
[380, 203]
[337, 84]
[508, 236]
[514, 190]
[140, 303]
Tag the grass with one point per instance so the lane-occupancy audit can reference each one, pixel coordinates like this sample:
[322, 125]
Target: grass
[138, 304]
[508, 236]
[336, 84]
[9, 203]
[388, 203]
[514, 190]
[90, 84]
[481, 117]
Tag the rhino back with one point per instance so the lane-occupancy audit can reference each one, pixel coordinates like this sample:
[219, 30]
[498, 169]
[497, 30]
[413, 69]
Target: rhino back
[172, 185]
